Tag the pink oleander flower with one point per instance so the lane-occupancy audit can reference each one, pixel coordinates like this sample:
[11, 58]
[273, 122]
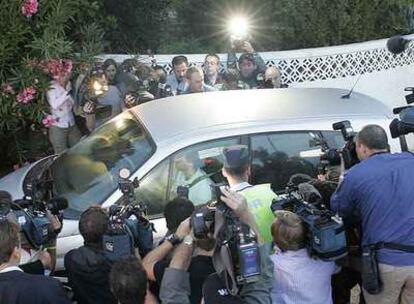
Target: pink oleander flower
[48, 121]
[57, 68]
[26, 96]
[30, 7]
[7, 89]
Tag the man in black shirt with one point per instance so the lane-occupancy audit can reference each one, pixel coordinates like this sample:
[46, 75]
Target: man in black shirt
[87, 267]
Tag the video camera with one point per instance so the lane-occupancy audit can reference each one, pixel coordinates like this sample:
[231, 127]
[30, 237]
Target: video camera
[326, 238]
[31, 211]
[405, 124]
[164, 90]
[128, 226]
[331, 156]
[231, 233]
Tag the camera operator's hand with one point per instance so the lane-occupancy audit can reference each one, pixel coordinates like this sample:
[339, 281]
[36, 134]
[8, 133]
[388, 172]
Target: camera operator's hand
[183, 229]
[56, 224]
[130, 101]
[247, 47]
[89, 107]
[46, 259]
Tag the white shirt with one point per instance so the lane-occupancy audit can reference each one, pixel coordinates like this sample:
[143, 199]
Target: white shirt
[176, 85]
[61, 105]
[11, 268]
[300, 279]
[199, 193]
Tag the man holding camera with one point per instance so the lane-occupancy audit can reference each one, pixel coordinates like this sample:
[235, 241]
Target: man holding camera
[87, 267]
[16, 286]
[177, 79]
[175, 287]
[379, 191]
[250, 63]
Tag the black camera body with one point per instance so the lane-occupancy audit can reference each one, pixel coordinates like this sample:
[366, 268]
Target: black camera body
[332, 156]
[326, 238]
[128, 227]
[242, 244]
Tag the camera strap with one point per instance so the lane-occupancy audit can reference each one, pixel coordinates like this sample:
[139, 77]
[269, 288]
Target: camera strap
[389, 245]
[222, 257]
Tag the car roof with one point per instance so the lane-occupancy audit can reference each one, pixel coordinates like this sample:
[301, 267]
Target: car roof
[172, 116]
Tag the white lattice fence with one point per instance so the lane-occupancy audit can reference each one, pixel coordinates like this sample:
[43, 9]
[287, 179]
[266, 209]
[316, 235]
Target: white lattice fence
[318, 66]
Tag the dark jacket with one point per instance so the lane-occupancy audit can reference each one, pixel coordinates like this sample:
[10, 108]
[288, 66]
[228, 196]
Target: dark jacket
[21, 288]
[88, 274]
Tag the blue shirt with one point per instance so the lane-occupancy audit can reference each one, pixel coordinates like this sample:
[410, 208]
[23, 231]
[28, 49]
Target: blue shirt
[380, 190]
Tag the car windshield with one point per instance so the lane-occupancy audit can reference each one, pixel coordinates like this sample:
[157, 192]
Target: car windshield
[87, 173]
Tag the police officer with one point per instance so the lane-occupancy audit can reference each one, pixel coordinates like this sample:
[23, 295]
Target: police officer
[379, 190]
[236, 169]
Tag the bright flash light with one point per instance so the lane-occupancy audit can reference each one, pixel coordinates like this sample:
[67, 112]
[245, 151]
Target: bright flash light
[238, 26]
[97, 86]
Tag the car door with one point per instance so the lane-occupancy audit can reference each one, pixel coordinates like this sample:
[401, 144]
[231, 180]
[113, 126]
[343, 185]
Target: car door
[202, 161]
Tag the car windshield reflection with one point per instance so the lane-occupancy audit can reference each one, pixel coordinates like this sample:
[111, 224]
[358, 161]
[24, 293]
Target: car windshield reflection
[87, 173]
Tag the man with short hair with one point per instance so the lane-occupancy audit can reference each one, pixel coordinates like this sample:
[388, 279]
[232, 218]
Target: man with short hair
[236, 168]
[213, 77]
[16, 286]
[379, 192]
[195, 80]
[128, 282]
[177, 79]
[176, 211]
[250, 64]
[87, 267]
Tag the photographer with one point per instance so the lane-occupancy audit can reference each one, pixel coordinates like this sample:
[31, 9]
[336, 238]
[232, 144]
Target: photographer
[101, 100]
[175, 286]
[379, 192]
[87, 267]
[16, 286]
[289, 237]
[250, 63]
[236, 169]
[177, 79]
[156, 261]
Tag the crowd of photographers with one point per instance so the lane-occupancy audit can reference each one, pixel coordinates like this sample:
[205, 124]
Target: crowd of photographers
[105, 90]
[313, 245]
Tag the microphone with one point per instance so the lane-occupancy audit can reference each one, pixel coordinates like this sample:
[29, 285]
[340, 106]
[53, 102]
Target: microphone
[399, 44]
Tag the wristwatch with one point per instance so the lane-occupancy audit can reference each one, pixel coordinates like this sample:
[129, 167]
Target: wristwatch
[188, 240]
[173, 239]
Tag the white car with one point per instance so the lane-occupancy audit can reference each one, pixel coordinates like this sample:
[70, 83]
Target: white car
[152, 139]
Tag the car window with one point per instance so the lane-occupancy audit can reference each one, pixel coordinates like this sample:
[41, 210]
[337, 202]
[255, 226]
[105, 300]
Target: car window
[152, 190]
[277, 156]
[198, 167]
[87, 173]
